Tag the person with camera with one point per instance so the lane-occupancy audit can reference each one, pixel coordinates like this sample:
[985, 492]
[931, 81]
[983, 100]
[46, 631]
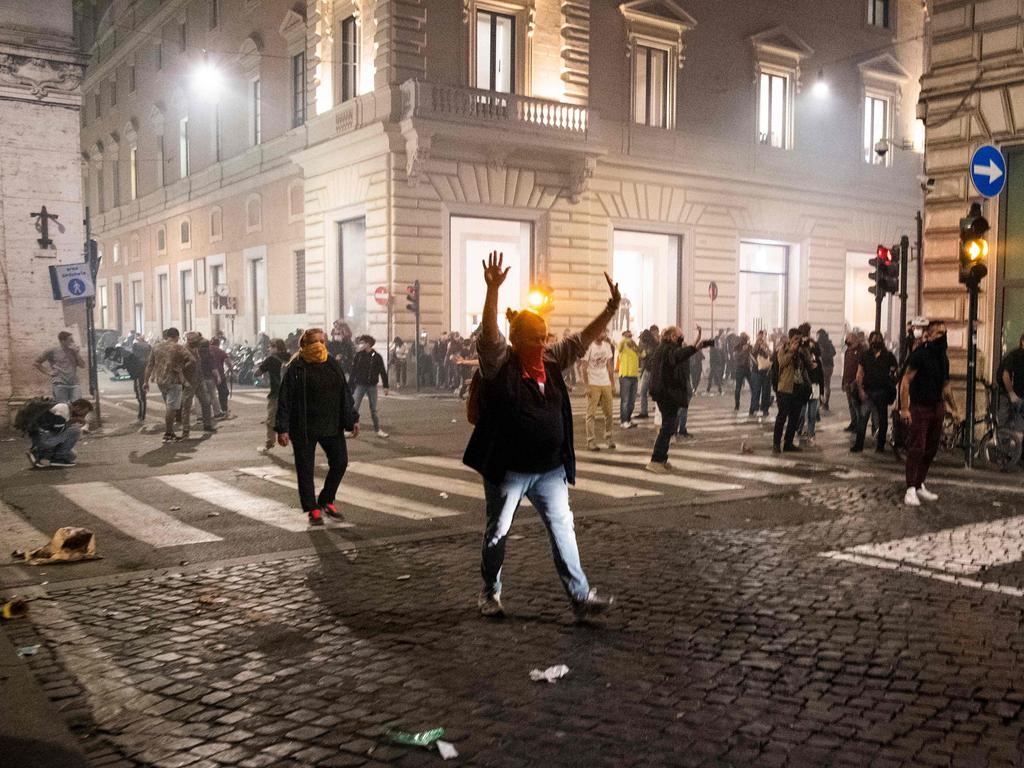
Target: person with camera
[670, 389]
[925, 394]
[794, 389]
[875, 384]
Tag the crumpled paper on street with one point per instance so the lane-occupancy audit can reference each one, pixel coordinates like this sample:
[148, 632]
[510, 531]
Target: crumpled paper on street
[550, 674]
[447, 749]
[68, 545]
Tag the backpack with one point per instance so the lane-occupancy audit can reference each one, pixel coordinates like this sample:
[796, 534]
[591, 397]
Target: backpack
[473, 399]
[31, 414]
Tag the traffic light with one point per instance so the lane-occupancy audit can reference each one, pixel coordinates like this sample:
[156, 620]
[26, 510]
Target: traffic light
[890, 272]
[973, 246]
[881, 263]
[93, 254]
[412, 297]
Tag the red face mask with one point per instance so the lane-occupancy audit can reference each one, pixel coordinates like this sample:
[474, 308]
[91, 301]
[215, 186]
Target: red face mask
[532, 359]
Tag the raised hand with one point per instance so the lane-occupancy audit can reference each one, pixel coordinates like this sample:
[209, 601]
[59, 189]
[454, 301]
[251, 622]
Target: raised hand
[613, 288]
[494, 275]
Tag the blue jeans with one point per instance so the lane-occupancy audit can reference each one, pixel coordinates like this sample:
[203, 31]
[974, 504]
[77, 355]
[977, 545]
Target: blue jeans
[56, 445]
[645, 388]
[66, 393]
[549, 493]
[683, 414]
[760, 391]
[371, 395]
[627, 397]
[812, 415]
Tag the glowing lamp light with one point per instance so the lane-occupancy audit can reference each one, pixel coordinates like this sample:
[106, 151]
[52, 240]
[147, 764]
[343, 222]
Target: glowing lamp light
[977, 249]
[207, 81]
[539, 300]
[820, 89]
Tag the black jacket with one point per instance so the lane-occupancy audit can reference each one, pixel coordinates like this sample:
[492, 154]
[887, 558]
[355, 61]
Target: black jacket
[670, 373]
[367, 368]
[489, 450]
[291, 400]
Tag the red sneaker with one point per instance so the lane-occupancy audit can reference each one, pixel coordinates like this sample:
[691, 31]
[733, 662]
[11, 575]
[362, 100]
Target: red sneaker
[331, 511]
[315, 518]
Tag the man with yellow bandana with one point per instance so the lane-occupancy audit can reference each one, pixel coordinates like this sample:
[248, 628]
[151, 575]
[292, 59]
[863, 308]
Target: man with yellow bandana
[315, 407]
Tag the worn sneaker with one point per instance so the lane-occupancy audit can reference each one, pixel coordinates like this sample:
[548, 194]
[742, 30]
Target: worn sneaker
[592, 607]
[382, 434]
[169, 437]
[32, 458]
[63, 463]
[910, 498]
[331, 511]
[926, 495]
[316, 517]
[490, 605]
[657, 467]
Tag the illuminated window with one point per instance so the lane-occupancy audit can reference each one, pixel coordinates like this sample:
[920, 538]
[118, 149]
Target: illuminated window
[651, 86]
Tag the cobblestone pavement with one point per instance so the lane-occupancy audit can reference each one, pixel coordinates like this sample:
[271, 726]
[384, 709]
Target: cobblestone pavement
[739, 647]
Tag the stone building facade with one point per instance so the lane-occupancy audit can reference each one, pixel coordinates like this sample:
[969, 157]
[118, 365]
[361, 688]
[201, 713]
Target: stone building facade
[973, 94]
[40, 77]
[672, 144]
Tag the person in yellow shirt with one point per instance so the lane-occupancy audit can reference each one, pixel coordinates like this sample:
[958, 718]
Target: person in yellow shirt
[629, 374]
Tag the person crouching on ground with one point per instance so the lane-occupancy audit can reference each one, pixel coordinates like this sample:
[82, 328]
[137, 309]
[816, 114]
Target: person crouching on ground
[314, 406]
[55, 433]
[670, 389]
[522, 444]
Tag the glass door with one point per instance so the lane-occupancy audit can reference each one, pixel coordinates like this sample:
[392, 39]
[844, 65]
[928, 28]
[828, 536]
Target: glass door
[495, 52]
[762, 287]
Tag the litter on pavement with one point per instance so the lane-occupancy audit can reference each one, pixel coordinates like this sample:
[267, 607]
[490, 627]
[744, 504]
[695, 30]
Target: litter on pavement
[447, 749]
[28, 650]
[409, 739]
[68, 545]
[15, 608]
[550, 674]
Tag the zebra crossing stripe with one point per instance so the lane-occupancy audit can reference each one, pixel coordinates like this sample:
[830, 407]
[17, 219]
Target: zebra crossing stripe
[760, 461]
[758, 475]
[350, 495]
[418, 479]
[625, 473]
[252, 398]
[584, 484]
[232, 498]
[132, 517]
[18, 533]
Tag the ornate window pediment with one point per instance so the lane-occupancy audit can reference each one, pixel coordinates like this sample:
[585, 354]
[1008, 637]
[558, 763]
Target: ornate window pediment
[293, 27]
[654, 33]
[781, 47]
[884, 68]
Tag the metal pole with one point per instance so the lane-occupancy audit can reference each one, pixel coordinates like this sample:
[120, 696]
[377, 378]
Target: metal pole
[416, 344]
[920, 263]
[90, 322]
[904, 259]
[972, 366]
[878, 307]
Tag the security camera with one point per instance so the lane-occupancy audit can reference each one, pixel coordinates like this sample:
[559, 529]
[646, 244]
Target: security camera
[927, 183]
[881, 148]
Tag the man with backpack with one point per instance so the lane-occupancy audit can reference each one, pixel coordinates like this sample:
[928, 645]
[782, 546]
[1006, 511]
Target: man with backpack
[669, 388]
[522, 444]
[54, 429]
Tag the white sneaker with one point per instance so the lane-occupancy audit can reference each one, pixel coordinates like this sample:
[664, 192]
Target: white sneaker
[382, 434]
[624, 425]
[910, 498]
[926, 495]
[630, 425]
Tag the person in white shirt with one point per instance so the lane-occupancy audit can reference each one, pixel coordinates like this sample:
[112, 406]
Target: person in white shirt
[598, 366]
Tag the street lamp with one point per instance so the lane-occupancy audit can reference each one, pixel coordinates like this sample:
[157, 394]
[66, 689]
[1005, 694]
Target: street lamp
[207, 81]
[820, 89]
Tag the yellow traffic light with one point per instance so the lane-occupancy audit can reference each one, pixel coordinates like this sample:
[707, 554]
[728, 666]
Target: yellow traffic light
[977, 249]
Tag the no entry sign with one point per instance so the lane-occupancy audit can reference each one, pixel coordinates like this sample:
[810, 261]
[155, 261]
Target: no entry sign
[712, 290]
[381, 295]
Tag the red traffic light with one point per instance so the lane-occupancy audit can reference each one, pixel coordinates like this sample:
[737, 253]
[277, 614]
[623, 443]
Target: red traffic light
[884, 255]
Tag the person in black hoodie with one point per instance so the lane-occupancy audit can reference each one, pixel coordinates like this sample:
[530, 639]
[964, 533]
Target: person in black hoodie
[315, 406]
[522, 444]
[367, 369]
[669, 388]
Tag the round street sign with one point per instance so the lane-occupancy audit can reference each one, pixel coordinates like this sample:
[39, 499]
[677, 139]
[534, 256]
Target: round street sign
[713, 290]
[76, 287]
[988, 170]
[381, 295]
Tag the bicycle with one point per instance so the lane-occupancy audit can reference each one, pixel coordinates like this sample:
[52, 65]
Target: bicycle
[999, 444]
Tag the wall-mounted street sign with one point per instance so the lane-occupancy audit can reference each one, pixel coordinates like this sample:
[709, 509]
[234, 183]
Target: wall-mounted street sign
[988, 170]
[71, 281]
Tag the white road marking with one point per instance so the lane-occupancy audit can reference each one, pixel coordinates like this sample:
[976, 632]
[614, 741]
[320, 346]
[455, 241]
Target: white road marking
[350, 495]
[585, 484]
[760, 461]
[965, 549]
[18, 533]
[949, 578]
[417, 479]
[649, 477]
[234, 499]
[759, 475]
[133, 518]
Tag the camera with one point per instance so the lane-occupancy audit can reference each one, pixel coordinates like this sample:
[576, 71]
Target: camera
[881, 147]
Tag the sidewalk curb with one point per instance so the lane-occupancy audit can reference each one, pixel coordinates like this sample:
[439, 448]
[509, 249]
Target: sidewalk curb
[32, 733]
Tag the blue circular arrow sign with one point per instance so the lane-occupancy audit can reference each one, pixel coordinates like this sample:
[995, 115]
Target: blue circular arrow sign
[988, 170]
[76, 287]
